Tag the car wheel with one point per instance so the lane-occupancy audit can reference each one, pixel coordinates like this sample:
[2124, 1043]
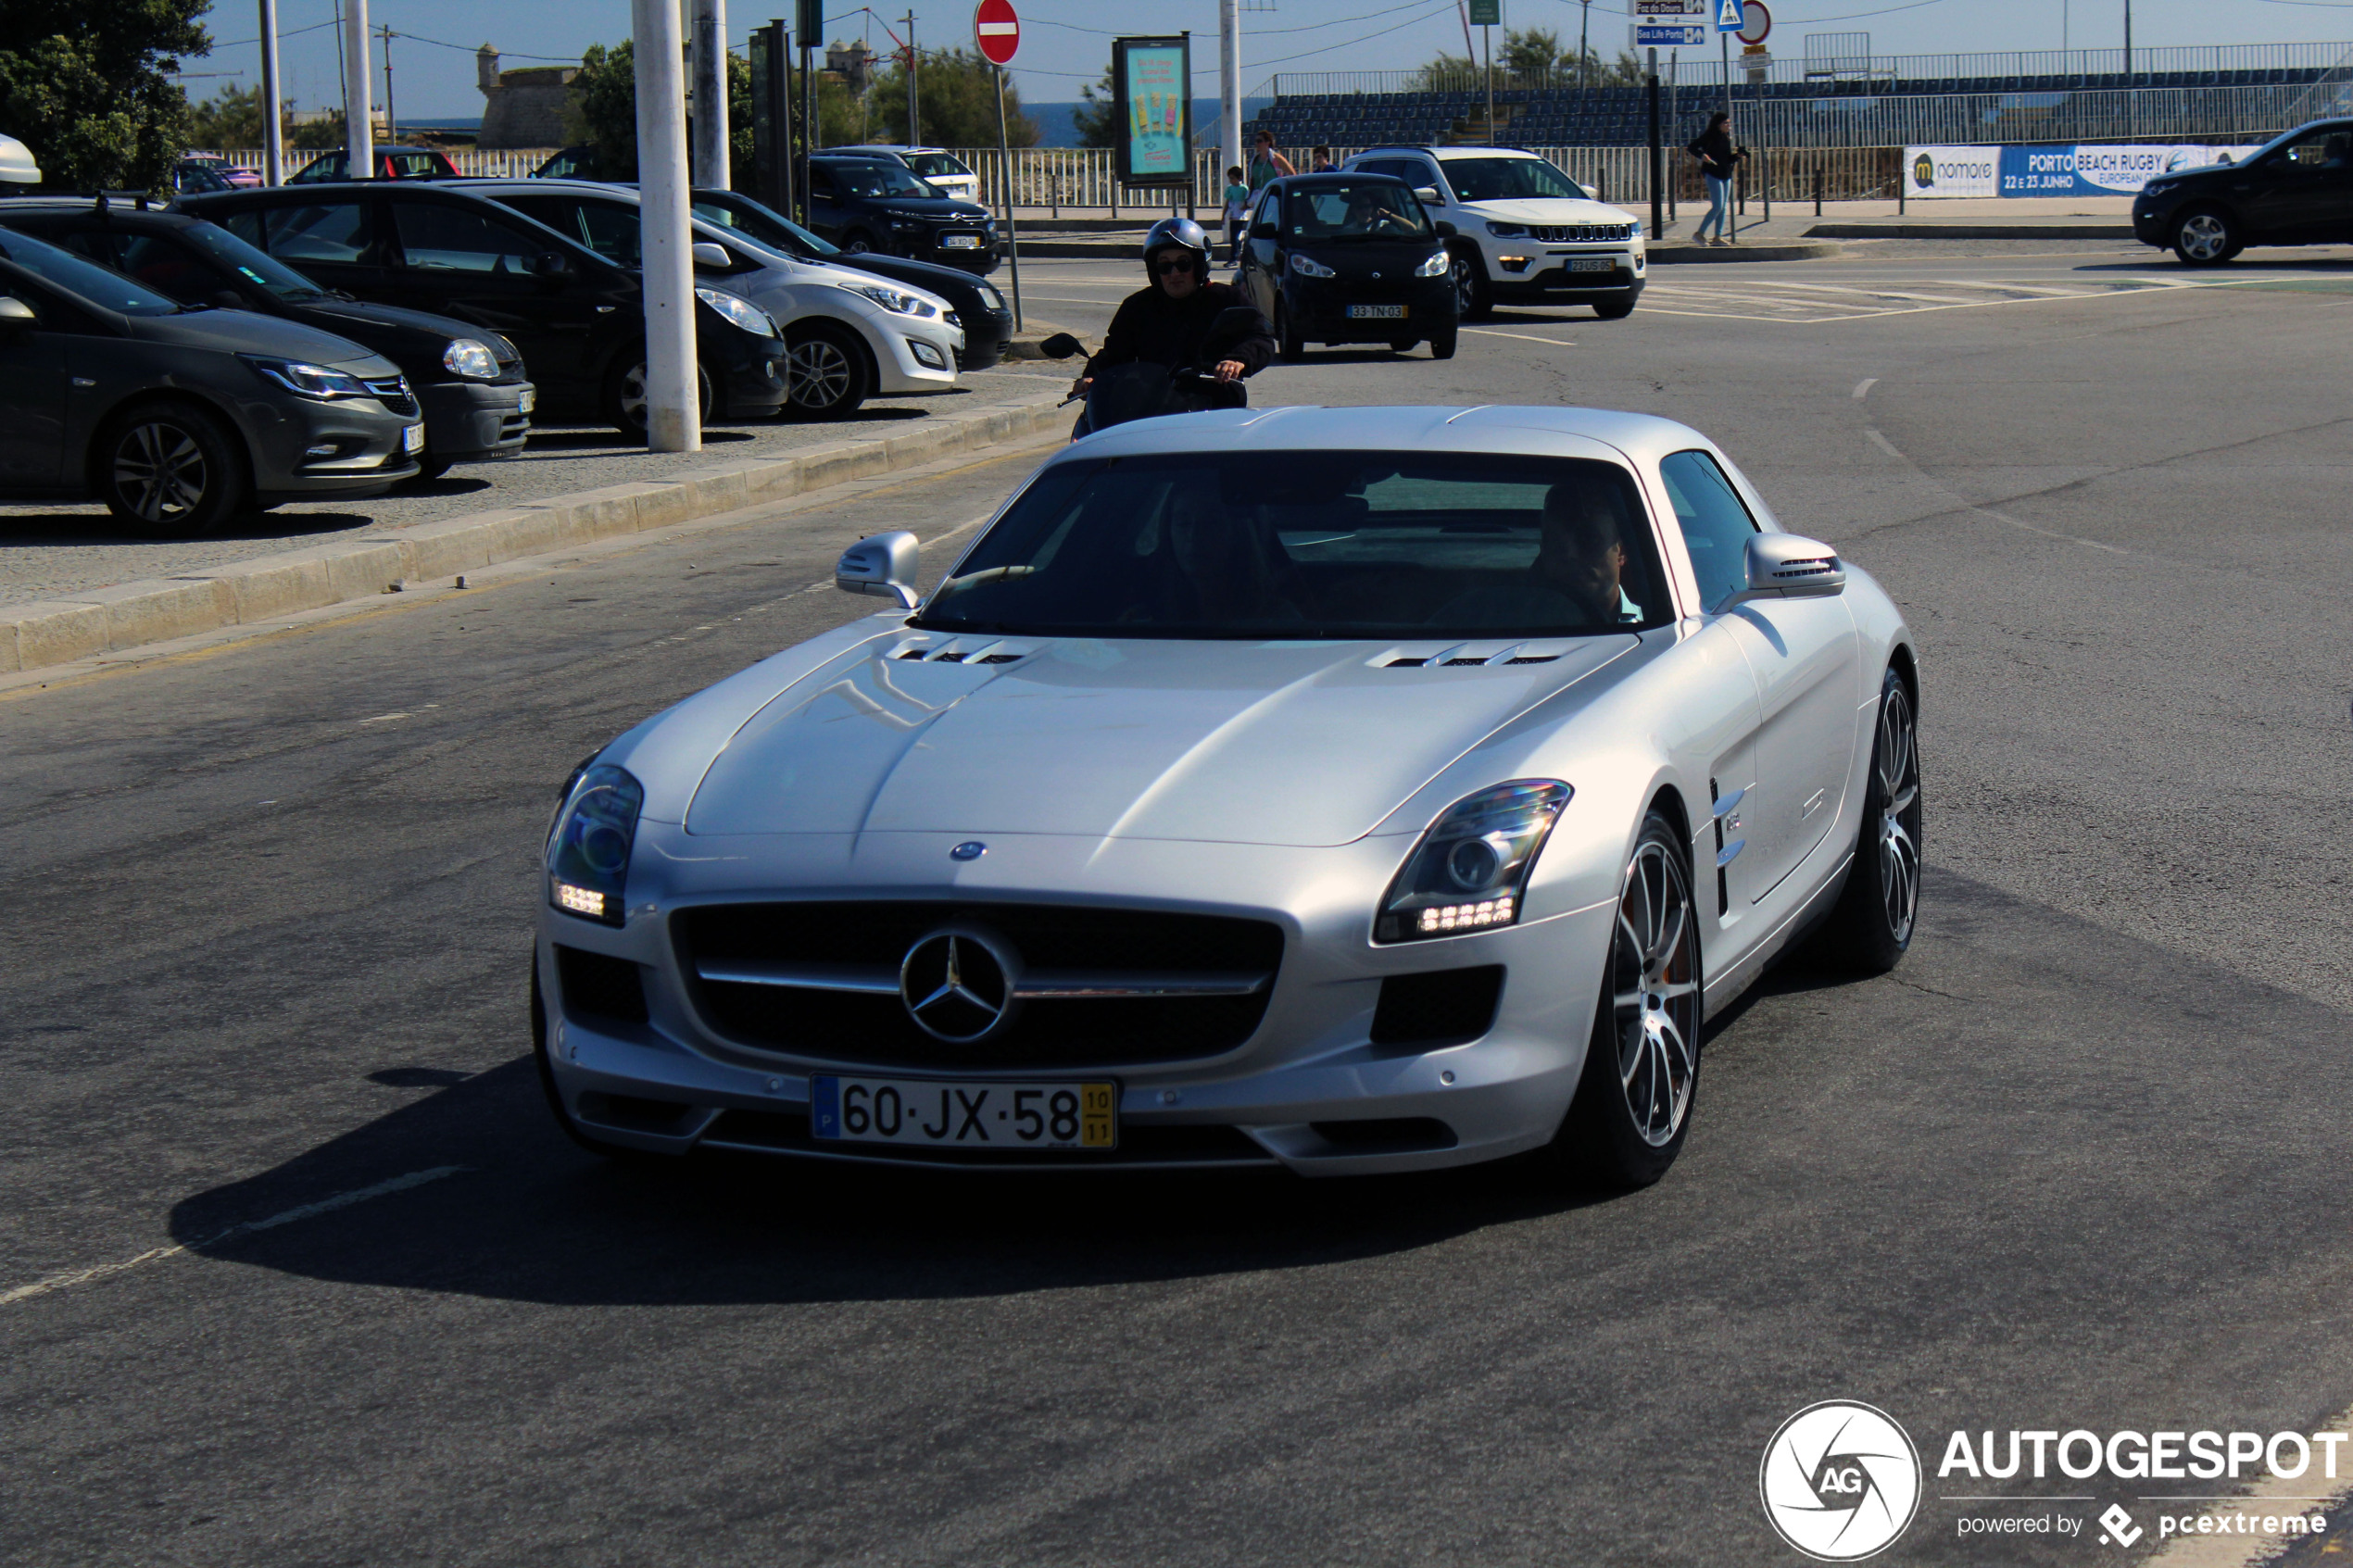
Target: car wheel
[825, 371]
[171, 471]
[572, 1130]
[857, 242]
[1403, 344]
[431, 468]
[1873, 925]
[1442, 345]
[1633, 1102]
[1613, 309]
[1288, 343]
[2205, 238]
[1472, 299]
[625, 398]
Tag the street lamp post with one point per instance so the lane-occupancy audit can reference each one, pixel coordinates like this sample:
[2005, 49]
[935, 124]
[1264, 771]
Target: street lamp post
[273, 132]
[674, 410]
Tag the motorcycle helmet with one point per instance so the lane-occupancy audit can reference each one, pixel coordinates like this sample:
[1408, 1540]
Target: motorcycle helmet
[1181, 233]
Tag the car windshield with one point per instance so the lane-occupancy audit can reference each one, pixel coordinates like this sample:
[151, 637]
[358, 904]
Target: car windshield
[930, 164]
[865, 180]
[86, 279]
[759, 225]
[1373, 209]
[255, 266]
[1313, 544]
[1506, 178]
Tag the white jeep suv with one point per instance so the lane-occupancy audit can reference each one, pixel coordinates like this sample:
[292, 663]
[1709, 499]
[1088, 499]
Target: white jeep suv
[1524, 230]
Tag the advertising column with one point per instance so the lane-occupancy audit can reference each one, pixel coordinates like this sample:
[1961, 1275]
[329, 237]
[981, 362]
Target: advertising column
[1152, 97]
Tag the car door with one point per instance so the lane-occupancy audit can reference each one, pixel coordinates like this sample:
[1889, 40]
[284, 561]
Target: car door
[1802, 655]
[335, 240]
[458, 258]
[2299, 192]
[33, 394]
[825, 213]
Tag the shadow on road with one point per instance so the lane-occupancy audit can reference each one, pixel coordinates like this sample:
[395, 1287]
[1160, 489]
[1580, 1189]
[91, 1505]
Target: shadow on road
[91, 524]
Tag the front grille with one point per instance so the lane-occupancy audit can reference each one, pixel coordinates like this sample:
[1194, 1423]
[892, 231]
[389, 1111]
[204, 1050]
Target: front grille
[768, 1132]
[872, 1027]
[1580, 233]
[393, 393]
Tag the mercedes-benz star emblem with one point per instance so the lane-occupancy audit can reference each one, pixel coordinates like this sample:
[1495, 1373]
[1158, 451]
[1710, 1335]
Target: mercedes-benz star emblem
[959, 985]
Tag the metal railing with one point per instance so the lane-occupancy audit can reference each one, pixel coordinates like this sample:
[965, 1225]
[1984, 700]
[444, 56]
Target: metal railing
[511, 165]
[2187, 114]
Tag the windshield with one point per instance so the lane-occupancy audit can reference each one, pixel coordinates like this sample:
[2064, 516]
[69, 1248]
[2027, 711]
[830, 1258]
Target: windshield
[871, 180]
[1377, 209]
[1505, 179]
[1313, 544]
[759, 225]
[87, 279]
[255, 266]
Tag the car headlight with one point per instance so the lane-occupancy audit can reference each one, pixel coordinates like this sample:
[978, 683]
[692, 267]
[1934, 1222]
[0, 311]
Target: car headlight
[465, 356]
[307, 380]
[1306, 268]
[896, 301]
[991, 298]
[2157, 187]
[1508, 230]
[1470, 870]
[1634, 229]
[588, 849]
[1435, 267]
[742, 312]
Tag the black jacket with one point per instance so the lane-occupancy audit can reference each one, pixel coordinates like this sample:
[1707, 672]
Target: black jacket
[1716, 153]
[1152, 327]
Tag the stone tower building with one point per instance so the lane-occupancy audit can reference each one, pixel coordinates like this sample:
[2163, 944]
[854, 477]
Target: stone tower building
[525, 107]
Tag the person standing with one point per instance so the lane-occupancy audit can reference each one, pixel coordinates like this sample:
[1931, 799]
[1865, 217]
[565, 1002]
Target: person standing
[1322, 163]
[1236, 212]
[1265, 163]
[1718, 158]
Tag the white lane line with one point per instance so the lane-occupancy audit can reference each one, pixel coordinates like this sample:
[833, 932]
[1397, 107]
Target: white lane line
[384, 718]
[1884, 443]
[1524, 337]
[156, 1255]
[1863, 387]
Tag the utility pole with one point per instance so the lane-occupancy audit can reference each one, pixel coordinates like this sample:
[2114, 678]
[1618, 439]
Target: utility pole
[914, 118]
[1659, 154]
[391, 122]
[1486, 46]
[1584, 24]
[2131, 105]
[710, 45]
[1229, 89]
[358, 134]
[273, 130]
[673, 408]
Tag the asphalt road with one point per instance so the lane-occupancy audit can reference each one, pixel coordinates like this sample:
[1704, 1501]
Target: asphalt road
[2078, 1163]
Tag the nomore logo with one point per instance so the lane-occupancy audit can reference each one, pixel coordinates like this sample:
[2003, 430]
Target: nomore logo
[1839, 1481]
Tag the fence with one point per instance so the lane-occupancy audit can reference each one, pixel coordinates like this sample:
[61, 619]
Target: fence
[2190, 114]
[514, 165]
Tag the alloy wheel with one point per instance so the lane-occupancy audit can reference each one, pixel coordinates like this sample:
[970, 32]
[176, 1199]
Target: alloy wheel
[1466, 285]
[1656, 1018]
[1897, 758]
[817, 374]
[2204, 236]
[159, 471]
[632, 395]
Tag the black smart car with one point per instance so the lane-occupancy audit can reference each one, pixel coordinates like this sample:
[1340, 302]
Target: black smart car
[980, 310]
[2295, 191]
[1349, 258]
[579, 320]
[477, 403]
[180, 418]
[866, 204]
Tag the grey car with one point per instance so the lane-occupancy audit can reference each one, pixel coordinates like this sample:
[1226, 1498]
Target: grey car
[181, 418]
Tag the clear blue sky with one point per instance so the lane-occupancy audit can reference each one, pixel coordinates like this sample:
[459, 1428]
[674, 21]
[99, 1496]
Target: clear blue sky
[1067, 42]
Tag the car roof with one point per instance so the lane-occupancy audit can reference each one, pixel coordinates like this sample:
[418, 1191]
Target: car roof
[1536, 430]
[1334, 177]
[1442, 154]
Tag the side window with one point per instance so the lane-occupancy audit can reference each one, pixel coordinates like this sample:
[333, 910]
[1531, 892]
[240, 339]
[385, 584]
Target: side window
[331, 231]
[1716, 526]
[612, 231]
[436, 237]
[89, 244]
[245, 225]
[170, 268]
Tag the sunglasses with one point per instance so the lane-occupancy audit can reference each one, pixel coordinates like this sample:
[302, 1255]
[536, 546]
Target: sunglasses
[1172, 266]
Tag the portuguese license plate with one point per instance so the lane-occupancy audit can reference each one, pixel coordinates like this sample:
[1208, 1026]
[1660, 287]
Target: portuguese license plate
[526, 400]
[412, 439]
[931, 1113]
[1593, 263]
[962, 242]
[1376, 312]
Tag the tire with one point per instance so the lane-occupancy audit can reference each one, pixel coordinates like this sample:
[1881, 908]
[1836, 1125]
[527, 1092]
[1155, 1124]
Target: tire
[2205, 237]
[624, 396]
[171, 470]
[1473, 300]
[827, 374]
[1872, 926]
[1634, 1104]
[859, 243]
[1613, 309]
[1442, 345]
[1403, 344]
[429, 468]
[1289, 344]
[572, 1129]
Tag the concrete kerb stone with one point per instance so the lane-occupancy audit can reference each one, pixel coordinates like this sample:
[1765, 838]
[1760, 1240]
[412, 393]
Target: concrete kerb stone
[125, 615]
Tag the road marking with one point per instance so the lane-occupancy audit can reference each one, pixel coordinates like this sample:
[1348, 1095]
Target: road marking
[1810, 304]
[384, 718]
[286, 1217]
[1524, 337]
[1889, 447]
[1884, 443]
[1863, 387]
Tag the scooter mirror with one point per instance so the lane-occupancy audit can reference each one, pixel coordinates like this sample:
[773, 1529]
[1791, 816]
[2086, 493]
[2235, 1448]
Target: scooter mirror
[1062, 346]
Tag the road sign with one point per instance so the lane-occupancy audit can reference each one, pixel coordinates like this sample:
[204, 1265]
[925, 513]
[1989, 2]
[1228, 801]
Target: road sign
[1759, 21]
[1668, 36]
[1660, 10]
[1487, 13]
[996, 30]
[1728, 16]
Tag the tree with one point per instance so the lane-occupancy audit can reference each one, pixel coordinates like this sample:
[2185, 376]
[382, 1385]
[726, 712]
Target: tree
[89, 88]
[318, 135]
[958, 95]
[231, 117]
[604, 109]
[1096, 115]
[1532, 52]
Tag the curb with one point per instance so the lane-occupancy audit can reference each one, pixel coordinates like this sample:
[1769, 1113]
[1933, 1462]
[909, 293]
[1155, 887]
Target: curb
[58, 631]
[1872, 229]
[1786, 251]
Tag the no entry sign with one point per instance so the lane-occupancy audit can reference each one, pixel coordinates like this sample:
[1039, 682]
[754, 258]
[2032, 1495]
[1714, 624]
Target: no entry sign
[996, 30]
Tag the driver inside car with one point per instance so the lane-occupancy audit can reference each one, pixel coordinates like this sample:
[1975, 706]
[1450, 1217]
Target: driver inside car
[1577, 578]
[1370, 211]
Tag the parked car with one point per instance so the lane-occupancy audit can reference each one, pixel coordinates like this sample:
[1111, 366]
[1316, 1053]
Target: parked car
[935, 167]
[571, 163]
[470, 381]
[192, 175]
[1524, 230]
[181, 418]
[988, 320]
[241, 178]
[1349, 258]
[578, 319]
[864, 204]
[847, 336]
[391, 163]
[2297, 190]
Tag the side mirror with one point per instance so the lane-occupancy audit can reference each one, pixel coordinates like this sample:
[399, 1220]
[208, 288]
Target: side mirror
[1784, 566]
[1445, 230]
[884, 565]
[16, 316]
[550, 267]
[226, 299]
[1265, 231]
[1062, 346]
[1430, 195]
[710, 253]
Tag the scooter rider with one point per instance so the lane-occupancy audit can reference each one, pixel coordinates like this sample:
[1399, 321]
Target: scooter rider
[1166, 321]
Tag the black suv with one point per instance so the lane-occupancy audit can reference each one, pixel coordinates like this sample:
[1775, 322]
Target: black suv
[2296, 191]
[477, 403]
[579, 320]
[181, 417]
[864, 204]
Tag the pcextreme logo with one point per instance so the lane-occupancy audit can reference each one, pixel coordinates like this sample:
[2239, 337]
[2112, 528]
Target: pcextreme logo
[1841, 1481]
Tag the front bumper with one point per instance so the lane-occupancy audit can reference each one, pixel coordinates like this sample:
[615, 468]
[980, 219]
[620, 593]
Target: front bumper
[2152, 220]
[985, 338]
[1282, 1097]
[979, 259]
[370, 453]
[466, 420]
[747, 373]
[1318, 307]
[1533, 271]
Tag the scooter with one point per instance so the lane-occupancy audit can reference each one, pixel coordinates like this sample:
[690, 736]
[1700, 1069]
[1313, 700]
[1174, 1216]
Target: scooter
[1142, 390]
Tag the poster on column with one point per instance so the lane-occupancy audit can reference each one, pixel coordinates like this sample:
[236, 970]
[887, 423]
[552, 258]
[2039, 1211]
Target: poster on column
[1152, 91]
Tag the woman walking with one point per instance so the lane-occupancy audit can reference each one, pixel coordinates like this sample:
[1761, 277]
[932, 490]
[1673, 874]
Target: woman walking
[1718, 157]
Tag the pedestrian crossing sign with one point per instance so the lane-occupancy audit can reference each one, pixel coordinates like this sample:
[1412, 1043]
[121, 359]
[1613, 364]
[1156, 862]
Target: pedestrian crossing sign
[1728, 16]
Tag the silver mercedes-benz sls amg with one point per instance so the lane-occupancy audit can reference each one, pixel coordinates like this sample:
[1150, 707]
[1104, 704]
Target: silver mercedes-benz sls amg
[1346, 789]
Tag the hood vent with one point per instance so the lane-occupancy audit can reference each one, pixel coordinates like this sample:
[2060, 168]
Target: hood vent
[1469, 655]
[963, 651]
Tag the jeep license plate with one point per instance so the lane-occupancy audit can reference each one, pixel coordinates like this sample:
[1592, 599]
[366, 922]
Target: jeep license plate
[1591, 264]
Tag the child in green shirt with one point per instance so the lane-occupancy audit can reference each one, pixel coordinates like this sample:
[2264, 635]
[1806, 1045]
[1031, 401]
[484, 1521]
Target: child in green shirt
[1237, 206]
